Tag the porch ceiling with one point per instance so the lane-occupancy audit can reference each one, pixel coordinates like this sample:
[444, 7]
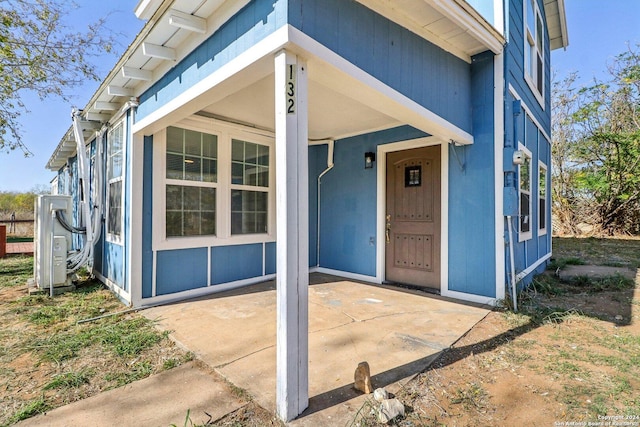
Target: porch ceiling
[332, 115]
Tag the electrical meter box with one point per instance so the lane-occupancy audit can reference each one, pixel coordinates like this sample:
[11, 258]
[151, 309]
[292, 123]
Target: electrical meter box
[52, 241]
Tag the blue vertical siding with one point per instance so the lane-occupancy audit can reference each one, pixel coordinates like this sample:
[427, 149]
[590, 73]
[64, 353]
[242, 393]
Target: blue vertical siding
[113, 263]
[231, 263]
[181, 270]
[394, 55]
[147, 218]
[472, 193]
[253, 23]
[270, 258]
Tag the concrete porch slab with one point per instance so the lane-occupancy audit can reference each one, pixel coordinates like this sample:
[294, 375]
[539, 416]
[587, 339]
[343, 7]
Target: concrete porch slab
[398, 332]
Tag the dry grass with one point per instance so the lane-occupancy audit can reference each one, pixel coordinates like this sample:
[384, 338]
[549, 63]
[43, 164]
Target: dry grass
[47, 359]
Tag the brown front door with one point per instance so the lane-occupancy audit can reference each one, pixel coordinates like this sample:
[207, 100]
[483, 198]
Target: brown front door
[413, 217]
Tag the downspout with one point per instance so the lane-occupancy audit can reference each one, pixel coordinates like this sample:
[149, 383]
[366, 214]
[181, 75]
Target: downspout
[330, 146]
[514, 282]
[513, 267]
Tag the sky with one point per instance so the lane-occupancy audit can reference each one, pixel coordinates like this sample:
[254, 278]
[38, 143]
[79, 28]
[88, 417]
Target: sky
[598, 31]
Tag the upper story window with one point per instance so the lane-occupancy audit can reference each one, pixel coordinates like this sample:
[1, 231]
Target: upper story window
[534, 49]
[115, 199]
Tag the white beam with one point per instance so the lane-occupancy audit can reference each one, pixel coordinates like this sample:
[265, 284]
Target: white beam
[187, 22]
[157, 51]
[119, 91]
[102, 105]
[292, 211]
[136, 74]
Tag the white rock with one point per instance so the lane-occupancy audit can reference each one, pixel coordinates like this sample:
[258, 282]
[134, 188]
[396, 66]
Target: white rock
[390, 409]
[380, 394]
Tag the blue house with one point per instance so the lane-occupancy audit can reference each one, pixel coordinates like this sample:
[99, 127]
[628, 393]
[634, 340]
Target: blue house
[386, 141]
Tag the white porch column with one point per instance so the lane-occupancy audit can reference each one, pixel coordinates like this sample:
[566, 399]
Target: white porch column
[292, 210]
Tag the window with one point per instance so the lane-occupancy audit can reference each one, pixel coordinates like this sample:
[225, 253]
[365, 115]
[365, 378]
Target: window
[191, 181]
[524, 192]
[249, 187]
[534, 49]
[542, 199]
[215, 186]
[115, 142]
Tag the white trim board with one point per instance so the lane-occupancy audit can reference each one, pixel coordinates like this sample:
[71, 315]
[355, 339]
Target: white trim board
[524, 273]
[206, 290]
[498, 142]
[359, 85]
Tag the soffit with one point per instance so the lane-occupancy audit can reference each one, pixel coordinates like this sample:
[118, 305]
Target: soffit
[453, 25]
[556, 23]
[332, 115]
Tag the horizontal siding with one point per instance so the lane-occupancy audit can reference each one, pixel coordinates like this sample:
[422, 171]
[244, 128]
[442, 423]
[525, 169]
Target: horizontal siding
[397, 57]
[471, 194]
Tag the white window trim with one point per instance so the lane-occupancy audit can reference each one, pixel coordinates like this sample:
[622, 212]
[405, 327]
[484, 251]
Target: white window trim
[526, 46]
[112, 238]
[527, 235]
[543, 166]
[225, 132]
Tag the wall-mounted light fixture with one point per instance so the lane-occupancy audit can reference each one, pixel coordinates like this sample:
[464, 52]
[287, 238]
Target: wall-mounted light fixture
[369, 158]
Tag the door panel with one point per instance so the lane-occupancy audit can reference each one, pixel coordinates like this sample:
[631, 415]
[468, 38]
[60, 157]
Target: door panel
[413, 217]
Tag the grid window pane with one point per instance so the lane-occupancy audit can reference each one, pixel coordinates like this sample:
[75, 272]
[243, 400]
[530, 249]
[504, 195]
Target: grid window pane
[175, 166]
[250, 164]
[191, 155]
[175, 140]
[524, 213]
[249, 212]
[191, 211]
[114, 151]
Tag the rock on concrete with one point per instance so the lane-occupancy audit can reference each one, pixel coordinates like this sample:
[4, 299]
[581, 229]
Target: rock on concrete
[362, 378]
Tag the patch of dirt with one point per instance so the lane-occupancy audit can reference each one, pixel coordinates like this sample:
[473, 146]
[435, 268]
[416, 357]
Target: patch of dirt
[250, 415]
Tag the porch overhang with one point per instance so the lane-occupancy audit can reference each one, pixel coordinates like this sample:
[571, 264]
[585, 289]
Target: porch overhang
[453, 25]
[344, 100]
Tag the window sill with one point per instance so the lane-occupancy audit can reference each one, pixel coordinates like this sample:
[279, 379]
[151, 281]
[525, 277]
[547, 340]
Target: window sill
[211, 241]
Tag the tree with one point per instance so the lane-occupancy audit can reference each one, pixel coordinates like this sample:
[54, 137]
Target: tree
[41, 54]
[597, 149]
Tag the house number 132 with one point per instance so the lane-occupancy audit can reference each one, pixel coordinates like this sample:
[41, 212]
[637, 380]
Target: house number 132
[291, 88]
